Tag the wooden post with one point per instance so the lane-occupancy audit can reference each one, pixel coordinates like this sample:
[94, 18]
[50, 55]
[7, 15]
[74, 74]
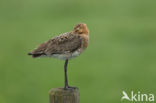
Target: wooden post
[59, 95]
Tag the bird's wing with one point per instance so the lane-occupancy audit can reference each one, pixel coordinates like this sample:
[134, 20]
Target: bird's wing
[64, 43]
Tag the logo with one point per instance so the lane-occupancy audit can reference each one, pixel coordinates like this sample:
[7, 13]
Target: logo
[138, 96]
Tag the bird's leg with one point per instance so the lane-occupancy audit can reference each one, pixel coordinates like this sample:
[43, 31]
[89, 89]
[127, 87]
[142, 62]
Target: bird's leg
[66, 79]
[65, 71]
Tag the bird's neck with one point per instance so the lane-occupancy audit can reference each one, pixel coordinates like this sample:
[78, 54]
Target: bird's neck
[85, 40]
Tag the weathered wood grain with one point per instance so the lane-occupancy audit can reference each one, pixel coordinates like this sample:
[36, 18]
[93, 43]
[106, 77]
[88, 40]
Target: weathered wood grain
[59, 95]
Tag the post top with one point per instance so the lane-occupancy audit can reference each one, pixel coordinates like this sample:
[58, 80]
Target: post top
[62, 91]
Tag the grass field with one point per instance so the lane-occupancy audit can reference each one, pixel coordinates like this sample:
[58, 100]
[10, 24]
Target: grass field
[121, 54]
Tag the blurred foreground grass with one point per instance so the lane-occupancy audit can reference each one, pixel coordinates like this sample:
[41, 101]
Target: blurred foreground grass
[121, 54]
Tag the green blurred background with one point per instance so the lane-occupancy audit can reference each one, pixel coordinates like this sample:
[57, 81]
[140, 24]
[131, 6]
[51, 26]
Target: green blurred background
[121, 54]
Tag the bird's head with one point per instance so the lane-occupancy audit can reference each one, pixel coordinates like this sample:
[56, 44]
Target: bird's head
[81, 29]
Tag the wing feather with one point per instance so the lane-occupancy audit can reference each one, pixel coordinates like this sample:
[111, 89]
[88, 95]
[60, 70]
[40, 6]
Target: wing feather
[64, 43]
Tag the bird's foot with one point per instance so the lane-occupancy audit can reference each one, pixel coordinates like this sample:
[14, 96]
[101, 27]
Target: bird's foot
[69, 87]
[72, 87]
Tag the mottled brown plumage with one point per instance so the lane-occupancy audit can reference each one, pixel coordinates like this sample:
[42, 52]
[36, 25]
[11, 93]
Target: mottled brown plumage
[65, 45]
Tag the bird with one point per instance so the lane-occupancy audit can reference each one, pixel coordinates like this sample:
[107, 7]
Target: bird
[65, 46]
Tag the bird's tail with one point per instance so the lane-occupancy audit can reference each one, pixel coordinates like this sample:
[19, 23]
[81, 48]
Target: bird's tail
[36, 55]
